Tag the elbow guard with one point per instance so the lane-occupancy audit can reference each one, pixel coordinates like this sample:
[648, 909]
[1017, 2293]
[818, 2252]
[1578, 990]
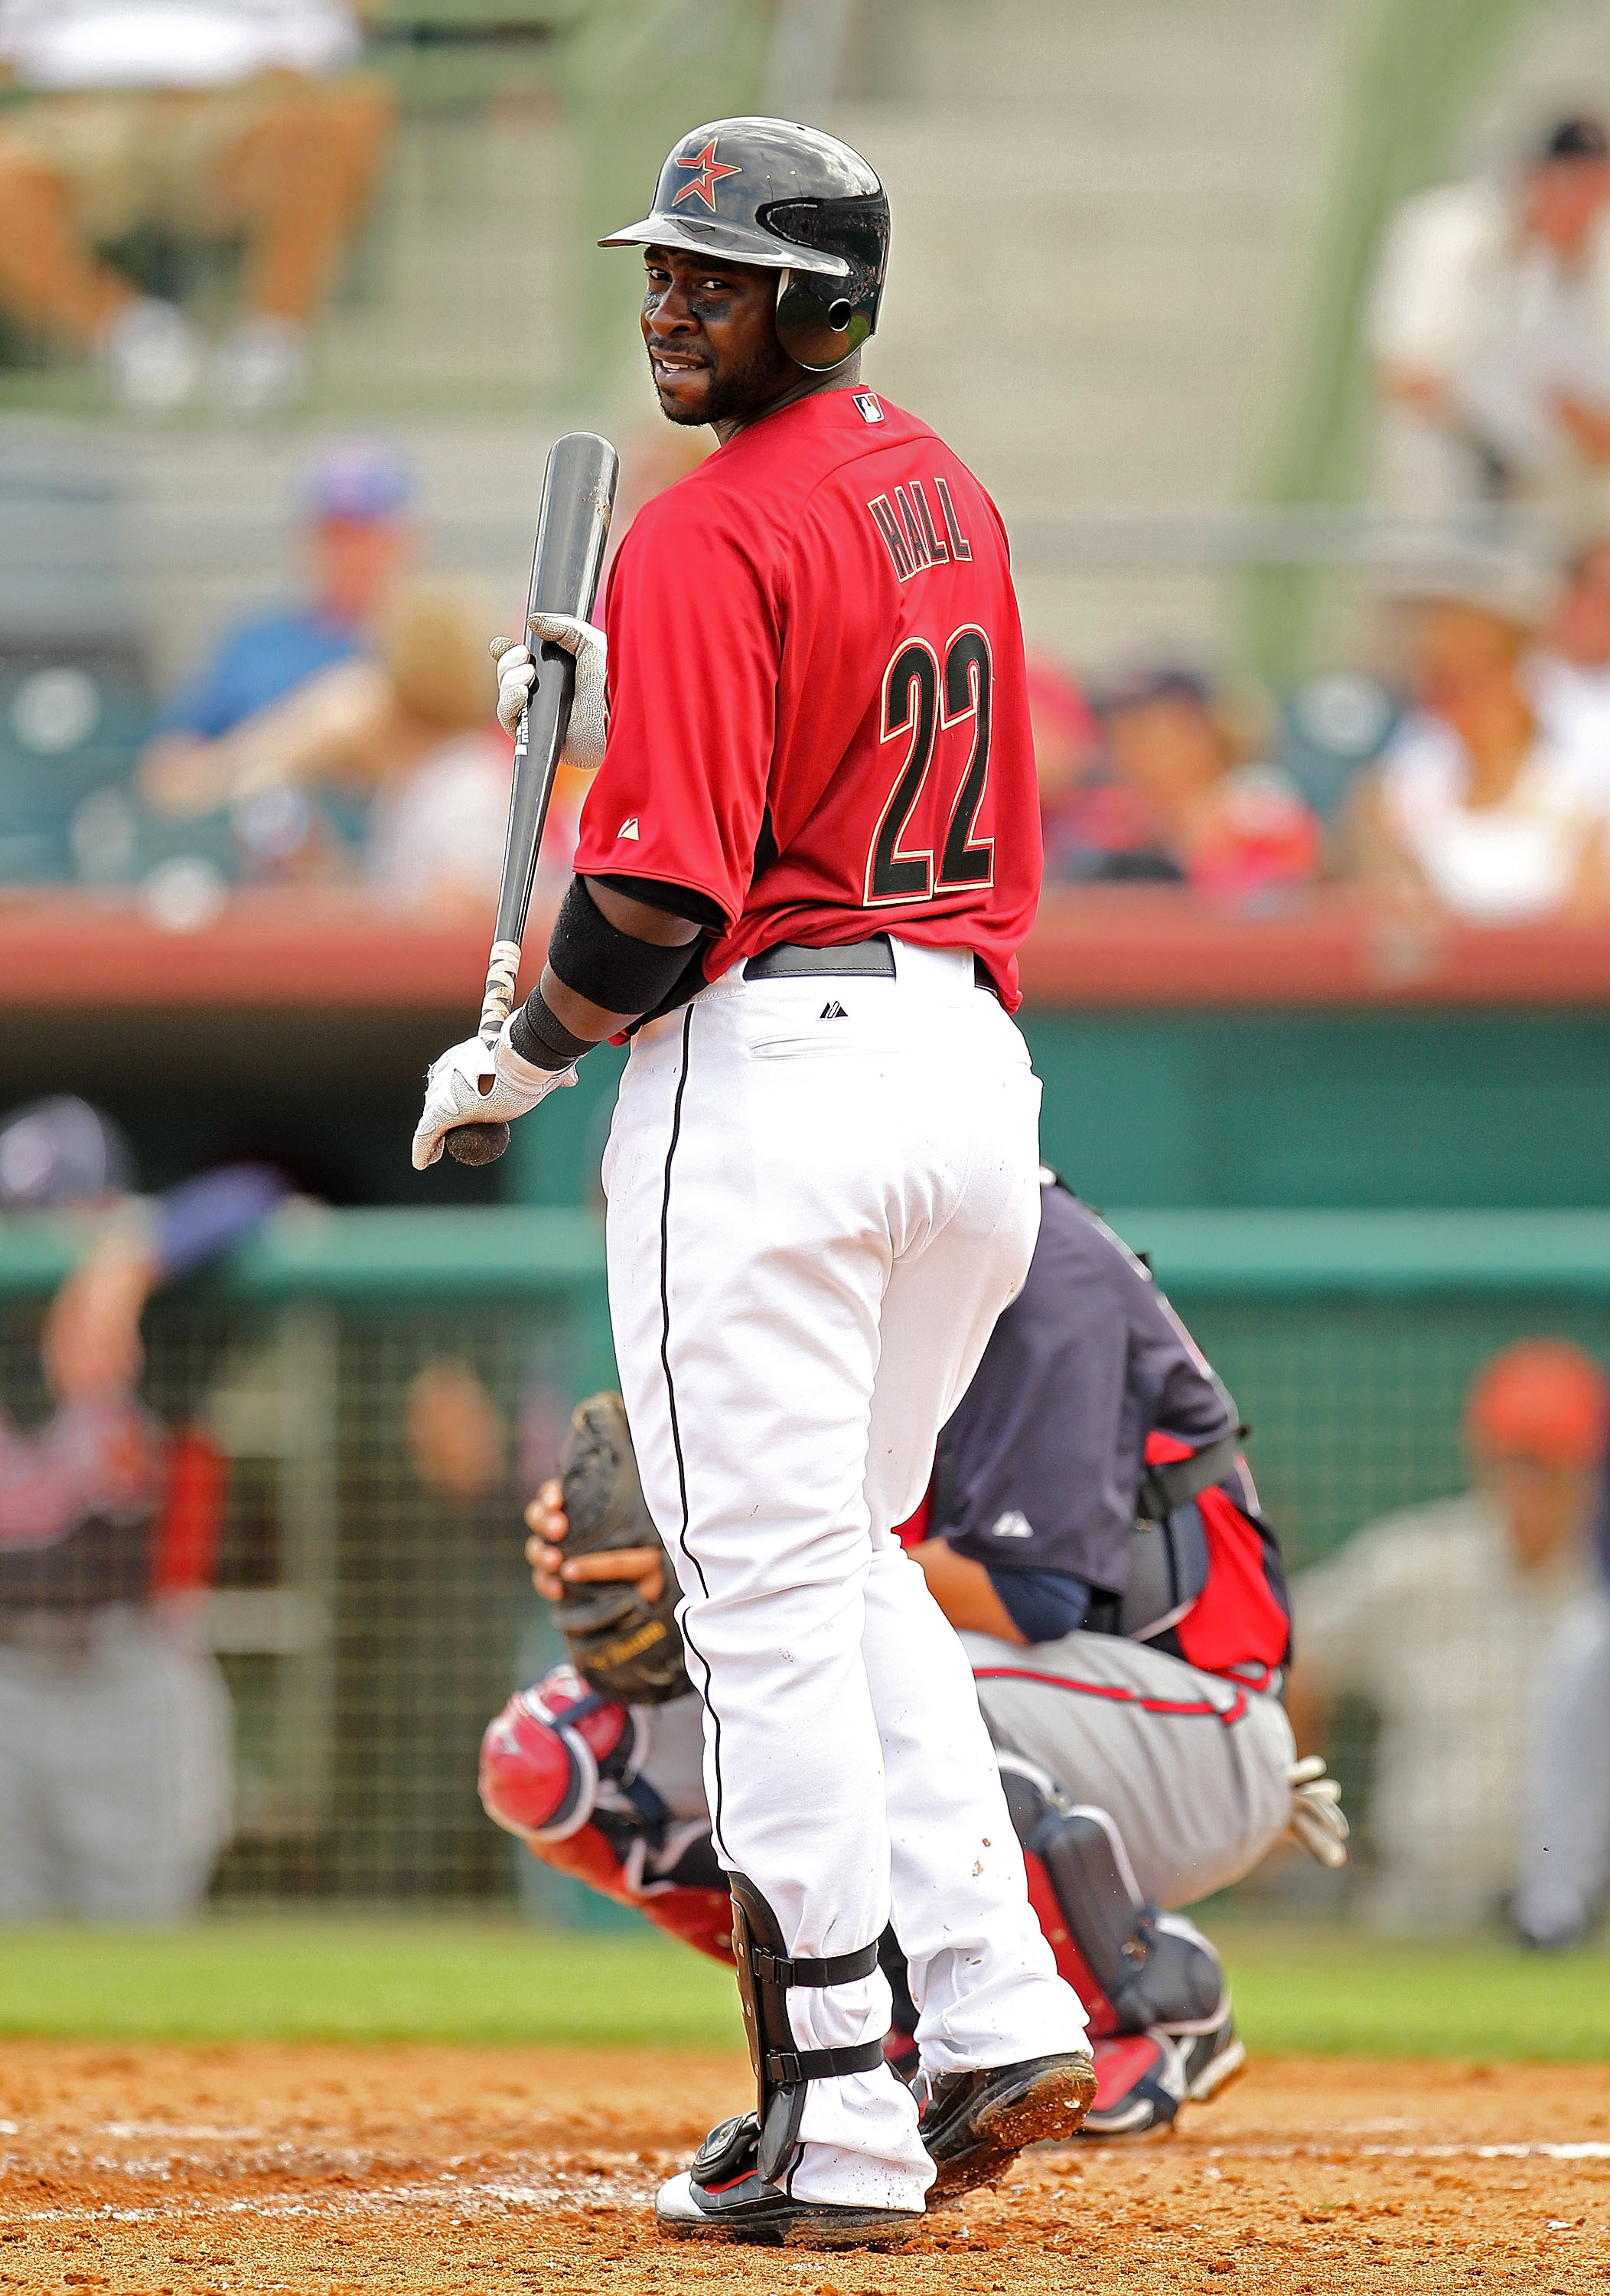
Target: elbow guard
[611, 969]
[542, 1757]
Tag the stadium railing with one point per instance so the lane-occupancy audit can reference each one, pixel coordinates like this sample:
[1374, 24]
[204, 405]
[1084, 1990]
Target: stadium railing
[369, 1626]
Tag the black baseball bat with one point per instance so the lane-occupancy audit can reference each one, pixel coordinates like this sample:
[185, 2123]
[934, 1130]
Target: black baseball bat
[572, 527]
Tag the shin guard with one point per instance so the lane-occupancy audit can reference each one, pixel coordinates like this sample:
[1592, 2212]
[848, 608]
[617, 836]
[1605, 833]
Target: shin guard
[783, 2070]
[1133, 1968]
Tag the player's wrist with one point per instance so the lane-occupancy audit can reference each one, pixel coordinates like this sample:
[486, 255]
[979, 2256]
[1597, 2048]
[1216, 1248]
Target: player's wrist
[535, 1035]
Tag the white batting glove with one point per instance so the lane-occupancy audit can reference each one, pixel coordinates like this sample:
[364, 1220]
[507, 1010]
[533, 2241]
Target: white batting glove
[589, 712]
[1318, 1820]
[516, 672]
[477, 1083]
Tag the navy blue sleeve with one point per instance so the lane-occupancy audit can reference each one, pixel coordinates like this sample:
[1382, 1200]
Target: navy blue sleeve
[1041, 1459]
[203, 1217]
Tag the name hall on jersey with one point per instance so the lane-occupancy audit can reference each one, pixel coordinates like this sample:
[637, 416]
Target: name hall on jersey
[908, 530]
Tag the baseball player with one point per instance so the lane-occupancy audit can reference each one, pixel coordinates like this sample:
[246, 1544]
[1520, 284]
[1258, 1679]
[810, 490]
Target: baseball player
[1090, 1515]
[806, 864]
[115, 1726]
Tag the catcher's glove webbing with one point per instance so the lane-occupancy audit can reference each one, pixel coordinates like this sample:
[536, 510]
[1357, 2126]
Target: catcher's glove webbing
[627, 1649]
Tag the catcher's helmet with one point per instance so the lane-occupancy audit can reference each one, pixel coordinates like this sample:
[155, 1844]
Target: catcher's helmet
[800, 202]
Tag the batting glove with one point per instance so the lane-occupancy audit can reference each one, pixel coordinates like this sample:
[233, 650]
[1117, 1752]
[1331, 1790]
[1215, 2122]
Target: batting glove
[1318, 1820]
[589, 711]
[516, 674]
[477, 1083]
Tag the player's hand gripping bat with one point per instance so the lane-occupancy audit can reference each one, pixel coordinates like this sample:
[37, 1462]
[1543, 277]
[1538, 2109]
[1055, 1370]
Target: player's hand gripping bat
[572, 525]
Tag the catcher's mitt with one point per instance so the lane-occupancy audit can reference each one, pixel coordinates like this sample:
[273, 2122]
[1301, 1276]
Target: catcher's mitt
[626, 1648]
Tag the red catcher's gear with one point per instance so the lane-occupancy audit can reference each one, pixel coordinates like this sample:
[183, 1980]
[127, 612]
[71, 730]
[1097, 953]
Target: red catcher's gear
[539, 1780]
[539, 1773]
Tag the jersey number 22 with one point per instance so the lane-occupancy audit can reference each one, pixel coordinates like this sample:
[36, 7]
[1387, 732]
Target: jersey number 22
[921, 700]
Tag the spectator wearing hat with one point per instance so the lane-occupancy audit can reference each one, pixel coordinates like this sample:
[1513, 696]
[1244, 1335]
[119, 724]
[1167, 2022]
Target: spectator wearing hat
[1478, 805]
[406, 746]
[1438, 1620]
[213, 119]
[114, 1722]
[357, 498]
[1489, 320]
[1182, 798]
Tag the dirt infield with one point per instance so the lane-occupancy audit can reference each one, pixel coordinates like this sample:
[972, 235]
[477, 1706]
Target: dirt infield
[327, 2171]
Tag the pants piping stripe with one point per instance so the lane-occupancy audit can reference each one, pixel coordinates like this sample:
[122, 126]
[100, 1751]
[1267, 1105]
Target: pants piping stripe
[665, 1360]
[1192, 1710]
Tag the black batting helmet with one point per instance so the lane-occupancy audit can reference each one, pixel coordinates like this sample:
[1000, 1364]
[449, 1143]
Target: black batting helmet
[800, 202]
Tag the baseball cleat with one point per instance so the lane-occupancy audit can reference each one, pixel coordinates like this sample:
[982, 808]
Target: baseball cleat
[1211, 2060]
[975, 2124]
[721, 2196]
[1144, 2079]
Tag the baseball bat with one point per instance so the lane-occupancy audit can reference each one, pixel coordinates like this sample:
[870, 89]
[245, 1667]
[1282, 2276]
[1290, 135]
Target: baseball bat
[572, 527]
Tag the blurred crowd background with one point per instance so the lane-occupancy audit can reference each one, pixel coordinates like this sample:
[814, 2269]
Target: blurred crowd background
[1282, 338]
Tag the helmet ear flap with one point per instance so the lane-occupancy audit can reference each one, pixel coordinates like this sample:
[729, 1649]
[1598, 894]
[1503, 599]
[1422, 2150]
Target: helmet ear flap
[818, 329]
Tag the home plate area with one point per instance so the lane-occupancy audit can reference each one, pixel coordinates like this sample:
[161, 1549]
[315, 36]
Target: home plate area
[319, 2170]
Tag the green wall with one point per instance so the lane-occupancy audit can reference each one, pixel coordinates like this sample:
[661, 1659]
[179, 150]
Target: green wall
[1345, 1109]
[1475, 1109]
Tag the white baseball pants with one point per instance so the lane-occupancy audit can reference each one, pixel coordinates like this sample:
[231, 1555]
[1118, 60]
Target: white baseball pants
[823, 1192]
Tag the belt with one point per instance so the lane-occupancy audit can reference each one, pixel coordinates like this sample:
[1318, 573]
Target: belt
[874, 956]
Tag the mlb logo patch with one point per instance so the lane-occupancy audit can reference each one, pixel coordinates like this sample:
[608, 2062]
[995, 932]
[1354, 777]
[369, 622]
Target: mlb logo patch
[866, 406]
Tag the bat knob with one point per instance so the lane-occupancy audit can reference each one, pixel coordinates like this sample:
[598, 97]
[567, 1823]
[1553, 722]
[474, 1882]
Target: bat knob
[498, 647]
[477, 1143]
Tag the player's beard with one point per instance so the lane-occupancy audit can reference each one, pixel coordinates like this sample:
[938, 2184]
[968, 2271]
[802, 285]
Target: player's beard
[740, 389]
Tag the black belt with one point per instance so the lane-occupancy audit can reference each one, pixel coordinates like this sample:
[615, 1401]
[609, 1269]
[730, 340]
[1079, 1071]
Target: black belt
[874, 956]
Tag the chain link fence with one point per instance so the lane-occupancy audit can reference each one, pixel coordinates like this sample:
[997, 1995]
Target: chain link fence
[384, 1390]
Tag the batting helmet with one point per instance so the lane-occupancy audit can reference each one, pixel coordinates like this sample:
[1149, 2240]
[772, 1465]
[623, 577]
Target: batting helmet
[800, 202]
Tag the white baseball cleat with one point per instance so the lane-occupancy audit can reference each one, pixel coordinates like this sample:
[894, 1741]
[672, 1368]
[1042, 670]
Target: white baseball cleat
[723, 2196]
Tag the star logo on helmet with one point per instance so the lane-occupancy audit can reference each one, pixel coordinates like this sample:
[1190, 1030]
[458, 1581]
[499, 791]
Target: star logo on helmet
[710, 173]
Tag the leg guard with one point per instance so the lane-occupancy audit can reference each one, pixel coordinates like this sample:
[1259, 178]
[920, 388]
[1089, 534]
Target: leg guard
[900, 2042]
[783, 2070]
[1133, 1967]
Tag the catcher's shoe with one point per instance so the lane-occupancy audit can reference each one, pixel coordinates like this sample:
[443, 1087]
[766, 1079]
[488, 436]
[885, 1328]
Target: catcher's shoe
[1211, 2060]
[1143, 2079]
[975, 2124]
[721, 2196]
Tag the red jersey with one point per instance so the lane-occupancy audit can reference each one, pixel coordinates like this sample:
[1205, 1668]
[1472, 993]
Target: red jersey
[818, 706]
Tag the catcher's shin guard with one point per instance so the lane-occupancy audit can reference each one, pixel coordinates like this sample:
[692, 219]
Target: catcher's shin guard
[1133, 1968]
[783, 2070]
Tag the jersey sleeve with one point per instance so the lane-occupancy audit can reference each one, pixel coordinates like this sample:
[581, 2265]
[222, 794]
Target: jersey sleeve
[695, 639]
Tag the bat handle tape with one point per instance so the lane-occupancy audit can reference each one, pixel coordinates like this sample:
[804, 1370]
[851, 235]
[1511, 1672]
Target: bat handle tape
[502, 970]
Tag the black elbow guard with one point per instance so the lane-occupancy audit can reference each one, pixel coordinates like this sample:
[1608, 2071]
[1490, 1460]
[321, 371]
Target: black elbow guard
[610, 968]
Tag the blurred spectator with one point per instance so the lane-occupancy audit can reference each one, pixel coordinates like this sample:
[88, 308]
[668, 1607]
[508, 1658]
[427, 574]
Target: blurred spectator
[1067, 737]
[1569, 676]
[1566, 1850]
[1177, 798]
[455, 1433]
[409, 739]
[207, 119]
[1438, 1620]
[114, 1722]
[1475, 803]
[357, 496]
[1490, 322]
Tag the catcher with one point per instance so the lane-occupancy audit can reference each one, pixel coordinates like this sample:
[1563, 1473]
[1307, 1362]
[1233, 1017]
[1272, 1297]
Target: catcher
[1093, 1531]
